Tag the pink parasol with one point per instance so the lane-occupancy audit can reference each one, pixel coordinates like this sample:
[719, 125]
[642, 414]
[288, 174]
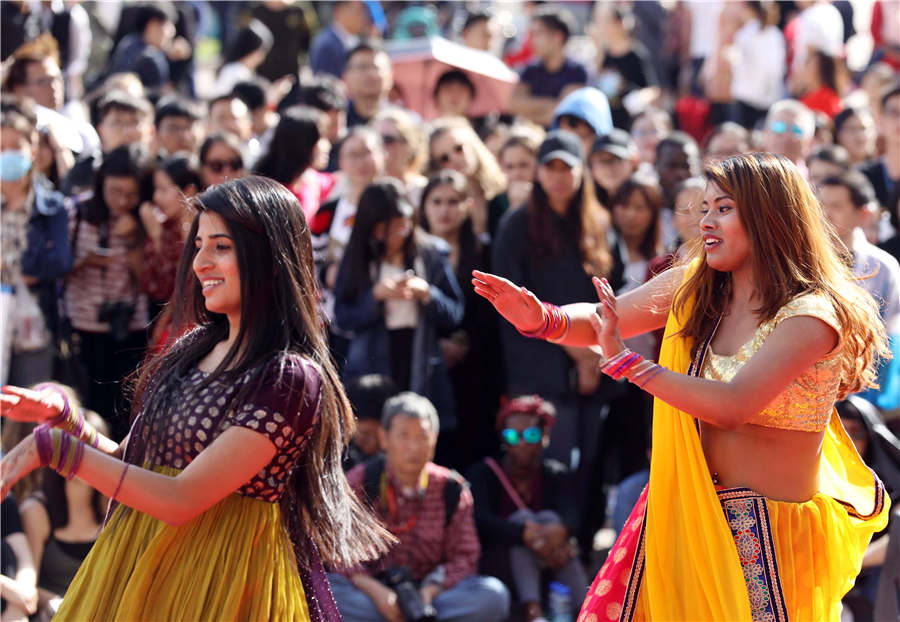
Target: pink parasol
[418, 63]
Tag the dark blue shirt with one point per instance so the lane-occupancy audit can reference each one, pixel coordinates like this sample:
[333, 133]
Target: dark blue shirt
[545, 83]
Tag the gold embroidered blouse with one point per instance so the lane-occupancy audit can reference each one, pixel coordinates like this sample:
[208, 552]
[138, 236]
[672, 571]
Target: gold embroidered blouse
[806, 404]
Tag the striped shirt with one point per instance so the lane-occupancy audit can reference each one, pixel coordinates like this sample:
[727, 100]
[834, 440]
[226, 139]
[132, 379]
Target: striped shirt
[89, 287]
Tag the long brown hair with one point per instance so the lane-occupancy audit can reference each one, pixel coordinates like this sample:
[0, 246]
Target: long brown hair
[274, 253]
[793, 251]
[587, 224]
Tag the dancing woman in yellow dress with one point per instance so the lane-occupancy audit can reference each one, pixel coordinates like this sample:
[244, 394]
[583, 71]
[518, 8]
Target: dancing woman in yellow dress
[230, 485]
[758, 506]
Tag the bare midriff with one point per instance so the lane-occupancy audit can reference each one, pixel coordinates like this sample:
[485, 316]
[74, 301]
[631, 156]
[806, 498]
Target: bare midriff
[782, 465]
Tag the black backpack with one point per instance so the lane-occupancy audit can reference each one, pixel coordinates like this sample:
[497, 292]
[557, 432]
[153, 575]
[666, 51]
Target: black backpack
[374, 467]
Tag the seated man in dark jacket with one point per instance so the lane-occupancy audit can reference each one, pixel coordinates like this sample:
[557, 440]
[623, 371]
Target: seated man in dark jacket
[525, 508]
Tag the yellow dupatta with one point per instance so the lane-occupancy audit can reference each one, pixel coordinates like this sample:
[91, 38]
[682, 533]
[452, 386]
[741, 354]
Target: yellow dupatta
[692, 568]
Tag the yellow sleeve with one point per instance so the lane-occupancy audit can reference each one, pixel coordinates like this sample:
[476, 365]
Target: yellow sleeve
[814, 305]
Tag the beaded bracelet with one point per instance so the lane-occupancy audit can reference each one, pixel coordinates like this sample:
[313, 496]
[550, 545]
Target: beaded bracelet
[59, 450]
[71, 421]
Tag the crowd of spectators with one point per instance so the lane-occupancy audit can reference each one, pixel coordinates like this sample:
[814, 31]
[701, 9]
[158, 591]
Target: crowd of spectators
[590, 163]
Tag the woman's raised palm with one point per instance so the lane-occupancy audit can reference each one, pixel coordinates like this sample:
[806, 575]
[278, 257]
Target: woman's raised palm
[516, 304]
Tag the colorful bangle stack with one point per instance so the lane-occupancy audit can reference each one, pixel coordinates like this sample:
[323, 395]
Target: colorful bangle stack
[555, 327]
[72, 421]
[58, 450]
[631, 366]
[617, 366]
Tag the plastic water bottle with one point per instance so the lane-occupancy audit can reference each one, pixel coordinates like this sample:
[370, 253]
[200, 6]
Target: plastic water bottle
[560, 605]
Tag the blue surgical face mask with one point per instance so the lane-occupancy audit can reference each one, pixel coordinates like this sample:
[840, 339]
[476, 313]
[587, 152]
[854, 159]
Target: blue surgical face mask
[14, 165]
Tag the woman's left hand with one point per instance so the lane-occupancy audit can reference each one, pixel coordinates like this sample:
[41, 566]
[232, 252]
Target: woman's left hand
[605, 320]
[22, 460]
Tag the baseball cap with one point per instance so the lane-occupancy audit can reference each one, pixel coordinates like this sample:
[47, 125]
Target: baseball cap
[617, 142]
[561, 145]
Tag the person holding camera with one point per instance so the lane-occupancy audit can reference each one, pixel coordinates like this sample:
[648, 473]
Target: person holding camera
[103, 300]
[430, 574]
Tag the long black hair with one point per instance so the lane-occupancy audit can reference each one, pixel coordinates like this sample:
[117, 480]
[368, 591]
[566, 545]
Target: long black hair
[279, 320]
[254, 36]
[291, 150]
[183, 169]
[586, 223]
[381, 202]
[469, 245]
[125, 161]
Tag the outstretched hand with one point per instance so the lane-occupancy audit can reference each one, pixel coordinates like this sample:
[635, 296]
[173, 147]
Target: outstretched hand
[516, 304]
[605, 319]
[30, 406]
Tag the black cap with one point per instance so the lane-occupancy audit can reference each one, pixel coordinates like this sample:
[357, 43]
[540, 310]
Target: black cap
[561, 145]
[617, 142]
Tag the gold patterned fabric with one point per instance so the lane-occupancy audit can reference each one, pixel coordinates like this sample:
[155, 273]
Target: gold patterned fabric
[807, 402]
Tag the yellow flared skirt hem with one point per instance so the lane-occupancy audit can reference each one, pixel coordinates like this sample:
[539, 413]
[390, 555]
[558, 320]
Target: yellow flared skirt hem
[234, 561]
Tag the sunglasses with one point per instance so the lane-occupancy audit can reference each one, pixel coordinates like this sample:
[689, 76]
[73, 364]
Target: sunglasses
[390, 139]
[445, 158]
[532, 435]
[217, 166]
[780, 127]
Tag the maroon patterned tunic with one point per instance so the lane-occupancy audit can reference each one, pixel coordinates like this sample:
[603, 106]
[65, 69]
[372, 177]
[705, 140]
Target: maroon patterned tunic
[283, 409]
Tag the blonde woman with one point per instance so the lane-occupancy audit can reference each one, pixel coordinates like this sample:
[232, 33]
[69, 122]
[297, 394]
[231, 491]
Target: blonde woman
[453, 144]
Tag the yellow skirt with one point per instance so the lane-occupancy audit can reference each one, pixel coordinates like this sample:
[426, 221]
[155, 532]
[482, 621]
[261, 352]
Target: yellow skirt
[798, 559]
[235, 561]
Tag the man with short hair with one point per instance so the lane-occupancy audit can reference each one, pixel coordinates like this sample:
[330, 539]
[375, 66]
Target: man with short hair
[368, 78]
[553, 75]
[429, 509]
[178, 126]
[677, 159]
[789, 130]
[329, 50]
[849, 202]
[454, 92]
[479, 31]
[229, 113]
[826, 161]
[122, 119]
[35, 73]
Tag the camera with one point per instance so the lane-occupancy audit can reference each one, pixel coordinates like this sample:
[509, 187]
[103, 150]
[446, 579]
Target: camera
[409, 600]
[118, 316]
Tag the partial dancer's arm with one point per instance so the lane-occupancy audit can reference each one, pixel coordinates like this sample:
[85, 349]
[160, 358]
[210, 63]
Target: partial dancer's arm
[220, 469]
[795, 345]
[641, 310]
[45, 406]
